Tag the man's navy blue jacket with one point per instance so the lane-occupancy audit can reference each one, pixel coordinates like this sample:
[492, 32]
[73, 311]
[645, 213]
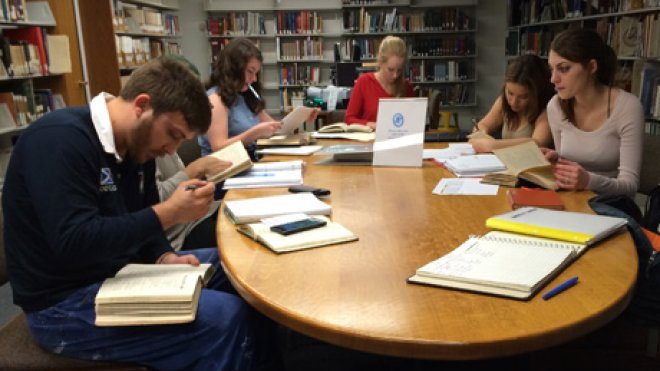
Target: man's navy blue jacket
[73, 216]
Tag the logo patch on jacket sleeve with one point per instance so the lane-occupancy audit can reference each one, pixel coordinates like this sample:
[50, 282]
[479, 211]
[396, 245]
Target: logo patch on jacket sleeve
[107, 184]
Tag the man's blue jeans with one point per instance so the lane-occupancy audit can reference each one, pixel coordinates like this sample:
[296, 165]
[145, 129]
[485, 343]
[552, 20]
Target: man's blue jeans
[220, 338]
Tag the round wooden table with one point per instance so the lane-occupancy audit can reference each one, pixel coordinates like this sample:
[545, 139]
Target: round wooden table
[355, 295]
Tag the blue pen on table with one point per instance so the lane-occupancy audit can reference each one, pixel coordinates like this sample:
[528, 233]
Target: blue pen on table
[561, 288]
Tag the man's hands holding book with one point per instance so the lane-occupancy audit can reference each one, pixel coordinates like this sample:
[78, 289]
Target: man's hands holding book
[190, 201]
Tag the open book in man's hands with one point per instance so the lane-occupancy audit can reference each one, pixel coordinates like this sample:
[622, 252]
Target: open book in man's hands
[341, 127]
[525, 161]
[150, 294]
[237, 155]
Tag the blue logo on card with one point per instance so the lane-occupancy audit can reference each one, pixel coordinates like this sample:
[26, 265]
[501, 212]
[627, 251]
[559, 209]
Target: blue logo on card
[397, 120]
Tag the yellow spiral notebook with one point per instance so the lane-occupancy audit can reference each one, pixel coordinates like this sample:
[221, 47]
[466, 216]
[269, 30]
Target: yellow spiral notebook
[568, 226]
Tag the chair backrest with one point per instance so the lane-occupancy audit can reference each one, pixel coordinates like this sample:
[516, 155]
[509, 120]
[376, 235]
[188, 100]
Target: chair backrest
[650, 173]
[189, 151]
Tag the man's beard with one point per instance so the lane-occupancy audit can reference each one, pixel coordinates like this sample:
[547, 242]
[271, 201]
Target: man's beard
[139, 141]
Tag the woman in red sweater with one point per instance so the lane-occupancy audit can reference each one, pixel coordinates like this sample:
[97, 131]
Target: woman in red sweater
[388, 82]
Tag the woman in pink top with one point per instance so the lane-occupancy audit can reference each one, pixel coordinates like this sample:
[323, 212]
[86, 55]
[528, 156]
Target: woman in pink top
[388, 82]
[597, 128]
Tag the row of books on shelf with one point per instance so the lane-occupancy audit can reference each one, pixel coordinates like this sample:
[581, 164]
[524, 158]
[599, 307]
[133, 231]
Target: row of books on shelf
[130, 18]
[450, 94]
[443, 46]
[308, 48]
[287, 96]
[31, 51]
[13, 10]
[298, 22]
[234, 24]
[646, 85]
[447, 19]
[523, 12]
[426, 71]
[24, 105]
[628, 36]
[218, 45]
[136, 51]
[294, 74]
[420, 47]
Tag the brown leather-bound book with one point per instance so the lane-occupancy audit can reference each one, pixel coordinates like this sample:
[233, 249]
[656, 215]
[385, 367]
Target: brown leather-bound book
[537, 197]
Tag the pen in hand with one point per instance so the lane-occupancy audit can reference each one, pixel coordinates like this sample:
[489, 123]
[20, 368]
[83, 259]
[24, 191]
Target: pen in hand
[561, 288]
[191, 187]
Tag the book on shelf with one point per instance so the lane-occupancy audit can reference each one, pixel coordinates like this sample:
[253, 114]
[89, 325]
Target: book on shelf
[237, 155]
[33, 36]
[300, 139]
[268, 174]
[525, 161]
[568, 226]
[501, 264]
[534, 197]
[150, 294]
[341, 127]
[254, 209]
[330, 234]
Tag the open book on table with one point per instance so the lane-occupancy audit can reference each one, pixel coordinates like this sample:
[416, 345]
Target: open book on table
[268, 174]
[559, 225]
[237, 155]
[254, 209]
[342, 127]
[149, 294]
[500, 264]
[524, 161]
[287, 140]
[331, 233]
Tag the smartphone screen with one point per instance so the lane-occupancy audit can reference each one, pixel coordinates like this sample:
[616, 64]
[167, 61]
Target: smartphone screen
[298, 226]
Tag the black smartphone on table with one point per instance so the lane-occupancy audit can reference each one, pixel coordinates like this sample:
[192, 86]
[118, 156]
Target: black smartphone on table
[298, 226]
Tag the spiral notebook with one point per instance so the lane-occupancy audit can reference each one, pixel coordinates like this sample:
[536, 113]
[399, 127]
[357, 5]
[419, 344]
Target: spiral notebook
[501, 264]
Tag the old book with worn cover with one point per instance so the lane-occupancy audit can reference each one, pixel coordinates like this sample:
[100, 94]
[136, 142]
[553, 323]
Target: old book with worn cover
[545, 198]
[151, 294]
[330, 234]
[237, 155]
[526, 161]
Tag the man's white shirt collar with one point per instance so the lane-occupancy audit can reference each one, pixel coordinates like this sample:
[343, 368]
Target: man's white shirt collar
[101, 119]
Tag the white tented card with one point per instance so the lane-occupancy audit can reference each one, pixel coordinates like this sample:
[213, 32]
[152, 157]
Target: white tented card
[400, 132]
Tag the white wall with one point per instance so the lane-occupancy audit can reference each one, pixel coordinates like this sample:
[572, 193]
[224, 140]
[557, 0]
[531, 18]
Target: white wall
[192, 19]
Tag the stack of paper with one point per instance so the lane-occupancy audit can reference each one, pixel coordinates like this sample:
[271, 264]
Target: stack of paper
[454, 150]
[475, 165]
[268, 174]
[254, 209]
[290, 151]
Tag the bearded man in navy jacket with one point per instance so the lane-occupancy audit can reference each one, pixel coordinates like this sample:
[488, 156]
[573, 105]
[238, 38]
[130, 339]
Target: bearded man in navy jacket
[80, 202]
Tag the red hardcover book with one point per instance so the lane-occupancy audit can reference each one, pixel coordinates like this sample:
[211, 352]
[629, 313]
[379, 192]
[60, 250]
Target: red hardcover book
[536, 197]
[34, 36]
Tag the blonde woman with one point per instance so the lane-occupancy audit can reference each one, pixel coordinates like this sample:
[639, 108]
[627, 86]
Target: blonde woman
[387, 82]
